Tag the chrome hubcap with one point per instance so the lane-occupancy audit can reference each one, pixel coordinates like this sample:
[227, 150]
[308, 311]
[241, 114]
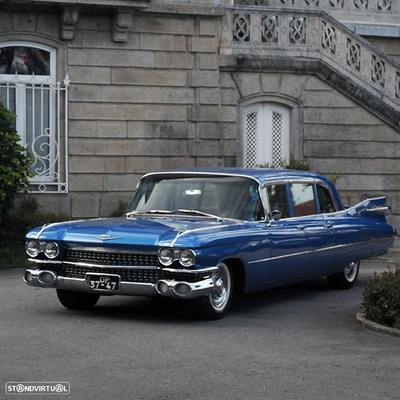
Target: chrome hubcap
[351, 271]
[222, 285]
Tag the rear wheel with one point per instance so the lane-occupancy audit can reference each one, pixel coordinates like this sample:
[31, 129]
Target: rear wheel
[346, 278]
[216, 304]
[77, 300]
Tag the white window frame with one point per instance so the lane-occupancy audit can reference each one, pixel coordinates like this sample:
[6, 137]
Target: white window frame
[263, 134]
[53, 182]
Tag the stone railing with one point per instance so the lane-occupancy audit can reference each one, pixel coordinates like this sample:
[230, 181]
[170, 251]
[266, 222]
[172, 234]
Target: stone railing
[382, 6]
[274, 35]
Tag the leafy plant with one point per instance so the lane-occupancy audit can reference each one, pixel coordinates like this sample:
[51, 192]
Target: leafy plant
[14, 162]
[292, 164]
[382, 298]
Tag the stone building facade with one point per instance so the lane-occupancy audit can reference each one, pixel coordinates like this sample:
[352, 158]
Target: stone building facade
[107, 90]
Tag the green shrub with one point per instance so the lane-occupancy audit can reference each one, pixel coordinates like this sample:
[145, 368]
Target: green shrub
[292, 164]
[26, 216]
[14, 162]
[122, 206]
[382, 298]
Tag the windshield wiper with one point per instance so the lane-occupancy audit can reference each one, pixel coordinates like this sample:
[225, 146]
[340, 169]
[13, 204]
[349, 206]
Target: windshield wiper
[132, 213]
[197, 212]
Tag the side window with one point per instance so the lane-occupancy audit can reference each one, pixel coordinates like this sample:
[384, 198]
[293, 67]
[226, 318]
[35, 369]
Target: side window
[278, 199]
[325, 200]
[303, 199]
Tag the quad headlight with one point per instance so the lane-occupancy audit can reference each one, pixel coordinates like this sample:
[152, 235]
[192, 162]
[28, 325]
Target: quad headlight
[166, 257]
[185, 257]
[51, 250]
[34, 247]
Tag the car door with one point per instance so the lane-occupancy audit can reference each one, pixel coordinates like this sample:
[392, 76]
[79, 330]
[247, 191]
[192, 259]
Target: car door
[319, 231]
[287, 238]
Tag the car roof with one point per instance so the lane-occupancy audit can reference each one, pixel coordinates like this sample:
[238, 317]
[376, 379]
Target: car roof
[262, 175]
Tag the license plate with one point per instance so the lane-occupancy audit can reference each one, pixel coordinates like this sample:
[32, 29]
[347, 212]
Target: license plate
[106, 282]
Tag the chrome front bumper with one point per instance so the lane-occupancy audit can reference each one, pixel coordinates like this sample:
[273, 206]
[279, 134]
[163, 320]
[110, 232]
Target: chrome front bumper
[164, 287]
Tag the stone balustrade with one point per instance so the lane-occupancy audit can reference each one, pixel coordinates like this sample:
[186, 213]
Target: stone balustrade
[381, 6]
[272, 34]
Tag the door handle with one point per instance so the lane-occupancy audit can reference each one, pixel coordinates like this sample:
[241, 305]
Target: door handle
[328, 226]
[301, 227]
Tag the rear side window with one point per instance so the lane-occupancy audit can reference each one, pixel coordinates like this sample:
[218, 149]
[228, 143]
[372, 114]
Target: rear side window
[303, 199]
[278, 199]
[325, 200]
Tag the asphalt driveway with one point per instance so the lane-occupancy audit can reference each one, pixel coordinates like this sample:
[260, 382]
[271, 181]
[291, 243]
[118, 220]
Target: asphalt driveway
[297, 342]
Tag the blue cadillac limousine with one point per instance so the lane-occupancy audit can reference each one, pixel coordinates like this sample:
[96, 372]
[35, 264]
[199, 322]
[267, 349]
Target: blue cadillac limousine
[207, 235]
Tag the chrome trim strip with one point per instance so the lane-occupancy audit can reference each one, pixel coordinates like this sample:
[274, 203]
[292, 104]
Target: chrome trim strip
[317, 251]
[49, 225]
[44, 261]
[181, 233]
[149, 267]
[190, 271]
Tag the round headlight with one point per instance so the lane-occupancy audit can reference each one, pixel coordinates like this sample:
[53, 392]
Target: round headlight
[51, 249]
[32, 248]
[187, 258]
[166, 257]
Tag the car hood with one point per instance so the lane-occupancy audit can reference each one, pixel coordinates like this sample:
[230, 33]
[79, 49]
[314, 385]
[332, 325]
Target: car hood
[143, 232]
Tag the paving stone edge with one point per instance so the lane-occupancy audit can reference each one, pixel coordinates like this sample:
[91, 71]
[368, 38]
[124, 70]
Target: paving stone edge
[376, 327]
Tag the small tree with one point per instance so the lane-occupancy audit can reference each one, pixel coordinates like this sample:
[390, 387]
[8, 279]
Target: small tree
[14, 162]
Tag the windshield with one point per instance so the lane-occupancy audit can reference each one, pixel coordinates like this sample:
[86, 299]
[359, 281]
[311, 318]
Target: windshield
[222, 196]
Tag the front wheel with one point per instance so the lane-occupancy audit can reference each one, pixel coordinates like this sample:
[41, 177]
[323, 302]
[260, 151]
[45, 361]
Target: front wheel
[216, 304]
[346, 278]
[77, 300]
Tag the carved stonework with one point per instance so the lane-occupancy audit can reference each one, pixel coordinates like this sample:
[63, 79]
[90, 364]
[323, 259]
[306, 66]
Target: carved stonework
[336, 3]
[69, 19]
[328, 37]
[384, 5]
[297, 30]
[241, 27]
[122, 23]
[378, 71]
[398, 85]
[361, 4]
[314, 3]
[353, 55]
[270, 29]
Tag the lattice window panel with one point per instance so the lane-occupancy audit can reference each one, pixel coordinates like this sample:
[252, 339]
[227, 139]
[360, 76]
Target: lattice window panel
[361, 4]
[277, 139]
[384, 5]
[378, 71]
[241, 28]
[251, 140]
[353, 55]
[328, 37]
[270, 29]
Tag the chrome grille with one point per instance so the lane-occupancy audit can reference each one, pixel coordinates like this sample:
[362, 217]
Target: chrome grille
[108, 258]
[132, 275]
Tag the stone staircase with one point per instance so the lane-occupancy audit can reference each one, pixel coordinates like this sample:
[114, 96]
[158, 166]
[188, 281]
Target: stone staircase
[256, 36]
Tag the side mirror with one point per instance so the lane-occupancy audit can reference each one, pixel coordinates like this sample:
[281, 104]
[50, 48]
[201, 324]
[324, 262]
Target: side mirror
[276, 215]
